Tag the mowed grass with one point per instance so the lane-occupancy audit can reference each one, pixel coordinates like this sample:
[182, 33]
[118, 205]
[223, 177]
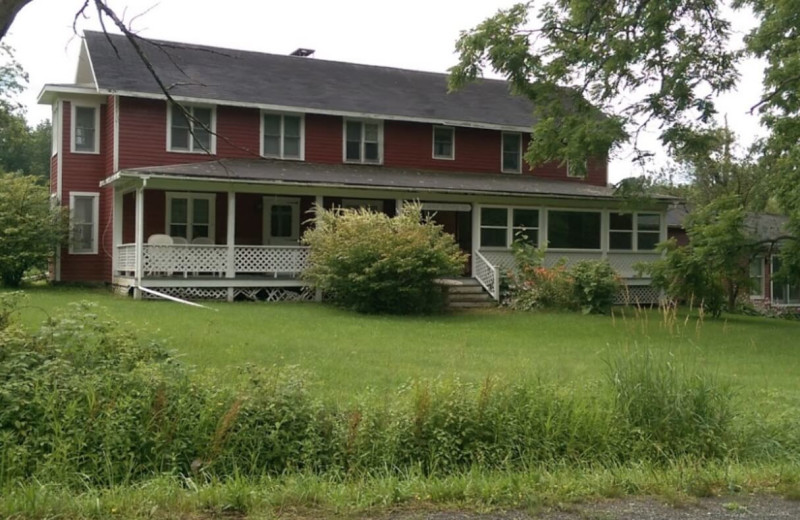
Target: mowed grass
[347, 354]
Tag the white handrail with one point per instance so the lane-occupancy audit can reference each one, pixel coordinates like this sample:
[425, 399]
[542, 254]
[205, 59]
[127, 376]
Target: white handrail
[487, 275]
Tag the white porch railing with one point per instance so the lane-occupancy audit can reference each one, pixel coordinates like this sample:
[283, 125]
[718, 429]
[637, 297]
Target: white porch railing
[487, 275]
[623, 262]
[195, 259]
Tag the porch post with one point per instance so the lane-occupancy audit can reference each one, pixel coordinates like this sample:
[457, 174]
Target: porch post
[398, 206]
[605, 222]
[139, 240]
[116, 236]
[318, 204]
[231, 239]
[476, 234]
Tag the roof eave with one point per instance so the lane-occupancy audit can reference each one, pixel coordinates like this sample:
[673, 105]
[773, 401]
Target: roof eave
[50, 92]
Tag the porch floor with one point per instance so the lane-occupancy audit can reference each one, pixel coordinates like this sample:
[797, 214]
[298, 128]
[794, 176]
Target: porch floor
[244, 280]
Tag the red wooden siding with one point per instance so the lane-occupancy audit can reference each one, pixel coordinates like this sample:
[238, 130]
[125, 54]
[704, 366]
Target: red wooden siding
[324, 139]
[83, 172]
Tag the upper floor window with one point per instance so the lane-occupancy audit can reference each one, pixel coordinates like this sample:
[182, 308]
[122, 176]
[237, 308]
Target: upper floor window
[192, 130]
[573, 229]
[512, 153]
[191, 215]
[282, 136]
[634, 231]
[363, 141]
[444, 138]
[577, 171]
[85, 128]
[501, 226]
[83, 223]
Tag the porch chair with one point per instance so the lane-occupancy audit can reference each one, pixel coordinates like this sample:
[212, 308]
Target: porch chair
[206, 241]
[158, 239]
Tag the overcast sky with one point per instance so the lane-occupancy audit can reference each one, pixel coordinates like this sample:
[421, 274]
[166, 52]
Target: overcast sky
[411, 34]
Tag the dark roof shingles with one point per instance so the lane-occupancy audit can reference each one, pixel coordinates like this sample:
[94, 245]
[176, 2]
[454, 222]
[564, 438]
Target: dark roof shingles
[259, 78]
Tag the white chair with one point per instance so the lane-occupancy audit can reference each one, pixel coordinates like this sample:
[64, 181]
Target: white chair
[179, 240]
[204, 241]
[155, 259]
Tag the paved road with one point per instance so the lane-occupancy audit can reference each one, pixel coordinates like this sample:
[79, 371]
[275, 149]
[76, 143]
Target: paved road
[755, 507]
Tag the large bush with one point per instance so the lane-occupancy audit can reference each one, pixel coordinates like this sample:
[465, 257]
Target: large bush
[30, 227]
[374, 263]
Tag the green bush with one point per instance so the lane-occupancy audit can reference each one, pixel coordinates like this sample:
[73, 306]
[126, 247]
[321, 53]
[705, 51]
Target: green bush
[374, 263]
[595, 285]
[31, 228]
[590, 285]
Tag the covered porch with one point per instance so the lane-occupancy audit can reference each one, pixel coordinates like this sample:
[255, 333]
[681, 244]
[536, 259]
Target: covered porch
[232, 229]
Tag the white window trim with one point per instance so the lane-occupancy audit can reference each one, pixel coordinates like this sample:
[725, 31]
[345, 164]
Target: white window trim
[73, 109]
[762, 286]
[378, 122]
[502, 152]
[571, 249]
[635, 231]
[452, 155]
[282, 115]
[266, 234]
[210, 197]
[95, 221]
[212, 140]
[56, 130]
[509, 227]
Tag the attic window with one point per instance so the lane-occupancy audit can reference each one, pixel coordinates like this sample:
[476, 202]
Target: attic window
[282, 136]
[191, 131]
[444, 142]
[512, 153]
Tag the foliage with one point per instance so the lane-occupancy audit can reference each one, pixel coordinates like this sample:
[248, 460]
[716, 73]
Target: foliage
[595, 284]
[636, 61]
[589, 285]
[22, 148]
[713, 269]
[31, 227]
[374, 263]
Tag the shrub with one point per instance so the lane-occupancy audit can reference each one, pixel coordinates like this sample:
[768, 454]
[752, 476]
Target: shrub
[30, 226]
[590, 285]
[374, 263]
[595, 285]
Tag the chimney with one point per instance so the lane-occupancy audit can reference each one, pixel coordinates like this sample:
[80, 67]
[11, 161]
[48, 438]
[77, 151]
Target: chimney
[303, 53]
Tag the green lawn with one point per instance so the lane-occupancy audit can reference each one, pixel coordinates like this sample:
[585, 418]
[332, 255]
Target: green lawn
[347, 353]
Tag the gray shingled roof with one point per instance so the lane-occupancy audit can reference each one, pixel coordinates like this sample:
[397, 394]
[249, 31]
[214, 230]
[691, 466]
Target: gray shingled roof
[197, 71]
[270, 171]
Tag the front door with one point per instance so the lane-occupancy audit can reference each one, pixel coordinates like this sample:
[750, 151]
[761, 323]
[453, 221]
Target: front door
[458, 224]
[281, 221]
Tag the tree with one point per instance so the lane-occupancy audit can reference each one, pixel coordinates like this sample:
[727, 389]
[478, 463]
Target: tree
[30, 227]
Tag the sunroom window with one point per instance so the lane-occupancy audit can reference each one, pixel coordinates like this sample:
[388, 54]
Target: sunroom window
[573, 229]
[783, 293]
[634, 231]
[501, 226]
[757, 277]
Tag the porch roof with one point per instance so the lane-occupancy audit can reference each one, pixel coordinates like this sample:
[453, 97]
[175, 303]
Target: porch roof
[290, 173]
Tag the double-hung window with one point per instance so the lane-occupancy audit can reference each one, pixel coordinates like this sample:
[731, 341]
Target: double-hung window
[573, 229]
[444, 142]
[501, 226]
[85, 129]
[83, 223]
[190, 215]
[191, 129]
[577, 171]
[512, 153]
[634, 231]
[282, 136]
[363, 141]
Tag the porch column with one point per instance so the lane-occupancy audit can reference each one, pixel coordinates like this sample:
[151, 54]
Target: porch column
[398, 206]
[605, 222]
[231, 240]
[476, 234]
[139, 240]
[116, 236]
[318, 204]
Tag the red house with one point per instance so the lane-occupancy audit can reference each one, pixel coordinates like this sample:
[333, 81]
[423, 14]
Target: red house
[213, 205]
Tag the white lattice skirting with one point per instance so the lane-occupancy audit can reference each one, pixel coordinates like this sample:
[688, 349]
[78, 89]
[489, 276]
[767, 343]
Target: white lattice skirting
[279, 294]
[638, 295]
